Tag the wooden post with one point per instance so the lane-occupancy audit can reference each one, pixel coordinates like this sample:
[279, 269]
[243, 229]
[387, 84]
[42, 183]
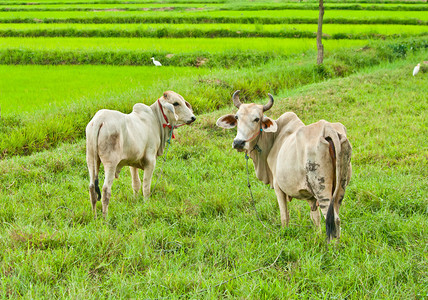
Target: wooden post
[320, 46]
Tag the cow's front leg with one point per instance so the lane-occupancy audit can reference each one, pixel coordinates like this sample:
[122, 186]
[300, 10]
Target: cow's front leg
[149, 167]
[136, 182]
[283, 207]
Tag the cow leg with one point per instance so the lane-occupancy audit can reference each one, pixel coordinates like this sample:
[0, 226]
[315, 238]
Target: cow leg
[94, 191]
[315, 213]
[149, 167]
[136, 182]
[93, 196]
[283, 208]
[110, 172]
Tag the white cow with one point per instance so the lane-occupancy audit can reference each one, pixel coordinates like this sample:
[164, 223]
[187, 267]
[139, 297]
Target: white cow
[135, 140]
[311, 162]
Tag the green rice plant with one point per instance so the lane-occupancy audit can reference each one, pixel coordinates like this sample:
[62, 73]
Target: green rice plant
[31, 88]
[330, 31]
[210, 6]
[176, 52]
[264, 17]
[111, 7]
[328, 6]
[189, 45]
[265, 2]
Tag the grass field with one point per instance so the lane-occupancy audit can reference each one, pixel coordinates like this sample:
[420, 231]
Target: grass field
[198, 236]
[26, 89]
[193, 235]
[26, 134]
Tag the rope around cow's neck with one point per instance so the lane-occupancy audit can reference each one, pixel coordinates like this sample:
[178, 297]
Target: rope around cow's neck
[164, 160]
[256, 146]
[251, 192]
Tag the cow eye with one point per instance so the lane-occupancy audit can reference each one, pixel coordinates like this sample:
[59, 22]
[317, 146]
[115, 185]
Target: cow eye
[236, 117]
[256, 119]
[176, 104]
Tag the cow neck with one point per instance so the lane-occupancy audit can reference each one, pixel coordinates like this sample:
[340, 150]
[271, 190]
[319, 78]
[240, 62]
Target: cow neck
[260, 150]
[165, 131]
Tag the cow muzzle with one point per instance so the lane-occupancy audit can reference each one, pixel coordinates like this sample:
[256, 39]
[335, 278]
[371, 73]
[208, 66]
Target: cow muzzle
[192, 119]
[238, 144]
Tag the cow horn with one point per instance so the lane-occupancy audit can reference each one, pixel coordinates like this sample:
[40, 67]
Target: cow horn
[235, 99]
[269, 104]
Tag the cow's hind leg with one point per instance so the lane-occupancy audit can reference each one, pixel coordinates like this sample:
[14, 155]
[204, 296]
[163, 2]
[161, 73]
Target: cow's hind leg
[315, 213]
[283, 207]
[94, 198]
[110, 171]
[94, 190]
[136, 182]
[149, 167]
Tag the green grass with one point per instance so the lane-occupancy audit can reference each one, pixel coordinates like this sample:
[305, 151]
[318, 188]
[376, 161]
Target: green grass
[268, 17]
[26, 89]
[79, 2]
[170, 52]
[280, 46]
[23, 135]
[208, 30]
[233, 2]
[199, 228]
[124, 7]
[210, 6]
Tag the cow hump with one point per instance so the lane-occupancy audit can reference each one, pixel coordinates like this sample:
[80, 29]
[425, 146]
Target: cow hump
[140, 108]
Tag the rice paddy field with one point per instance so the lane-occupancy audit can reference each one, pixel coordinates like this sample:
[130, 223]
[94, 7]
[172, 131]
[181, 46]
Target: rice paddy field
[198, 236]
[331, 31]
[216, 16]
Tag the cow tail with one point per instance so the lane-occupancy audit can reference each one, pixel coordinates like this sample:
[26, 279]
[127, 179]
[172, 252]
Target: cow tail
[95, 163]
[333, 138]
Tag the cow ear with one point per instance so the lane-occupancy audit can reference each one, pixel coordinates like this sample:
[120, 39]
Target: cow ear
[269, 125]
[227, 121]
[188, 105]
[169, 107]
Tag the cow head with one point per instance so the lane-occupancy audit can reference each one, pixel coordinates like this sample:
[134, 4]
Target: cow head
[250, 122]
[176, 108]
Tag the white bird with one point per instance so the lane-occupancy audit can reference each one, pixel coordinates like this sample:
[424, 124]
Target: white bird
[157, 64]
[416, 69]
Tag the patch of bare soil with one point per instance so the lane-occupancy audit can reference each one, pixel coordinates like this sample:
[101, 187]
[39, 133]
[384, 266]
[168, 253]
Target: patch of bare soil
[200, 61]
